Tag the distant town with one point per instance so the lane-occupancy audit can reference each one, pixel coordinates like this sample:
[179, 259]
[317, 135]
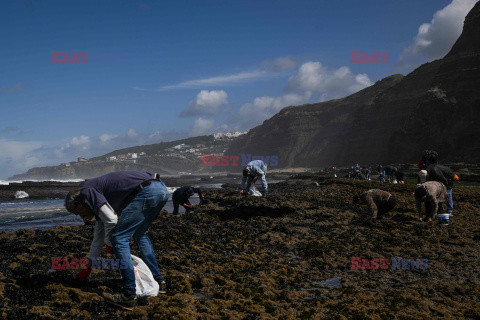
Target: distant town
[181, 150]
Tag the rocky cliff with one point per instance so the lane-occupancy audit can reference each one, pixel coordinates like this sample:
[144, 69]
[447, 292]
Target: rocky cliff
[437, 106]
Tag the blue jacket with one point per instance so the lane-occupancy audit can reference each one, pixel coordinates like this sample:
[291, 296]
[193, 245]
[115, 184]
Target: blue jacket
[257, 169]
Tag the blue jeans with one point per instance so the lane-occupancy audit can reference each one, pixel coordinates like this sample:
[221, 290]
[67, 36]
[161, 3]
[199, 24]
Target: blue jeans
[449, 201]
[134, 222]
[381, 177]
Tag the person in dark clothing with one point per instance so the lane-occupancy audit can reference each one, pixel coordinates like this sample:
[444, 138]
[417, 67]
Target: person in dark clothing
[367, 172]
[390, 171]
[381, 173]
[443, 174]
[181, 195]
[124, 204]
[428, 157]
[378, 201]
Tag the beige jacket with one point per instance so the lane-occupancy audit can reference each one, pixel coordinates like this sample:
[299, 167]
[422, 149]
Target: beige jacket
[436, 193]
[373, 198]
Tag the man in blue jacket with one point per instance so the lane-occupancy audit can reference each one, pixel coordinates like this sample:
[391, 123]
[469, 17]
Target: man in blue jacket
[181, 195]
[124, 203]
[255, 169]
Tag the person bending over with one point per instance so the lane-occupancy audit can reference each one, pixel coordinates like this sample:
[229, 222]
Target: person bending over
[443, 174]
[124, 204]
[255, 169]
[378, 201]
[181, 195]
[433, 193]
[390, 172]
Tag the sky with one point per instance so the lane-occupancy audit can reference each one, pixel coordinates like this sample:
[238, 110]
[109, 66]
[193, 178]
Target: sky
[165, 70]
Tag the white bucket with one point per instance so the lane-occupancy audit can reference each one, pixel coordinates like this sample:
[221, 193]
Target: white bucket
[444, 219]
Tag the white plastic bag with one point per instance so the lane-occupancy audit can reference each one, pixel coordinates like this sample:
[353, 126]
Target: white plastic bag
[145, 284]
[254, 191]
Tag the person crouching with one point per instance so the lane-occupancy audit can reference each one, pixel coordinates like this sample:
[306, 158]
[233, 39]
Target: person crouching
[378, 201]
[434, 194]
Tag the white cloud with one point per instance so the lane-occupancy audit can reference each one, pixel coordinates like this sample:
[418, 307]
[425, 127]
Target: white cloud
[16, 150]
[16, 155]
[436, 38]
[82, 141]
[218, 80]
[262, 108]
[313, 77]
[206, 103]
[202, 126]
[132, 133]
[107, 137]
[268, 68]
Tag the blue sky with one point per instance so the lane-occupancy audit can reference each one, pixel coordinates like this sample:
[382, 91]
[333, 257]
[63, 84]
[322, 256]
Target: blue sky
[165, 70]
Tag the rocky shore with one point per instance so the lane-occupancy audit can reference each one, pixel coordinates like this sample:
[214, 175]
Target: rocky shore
[38, 189]
[288, 256]
[58, 190]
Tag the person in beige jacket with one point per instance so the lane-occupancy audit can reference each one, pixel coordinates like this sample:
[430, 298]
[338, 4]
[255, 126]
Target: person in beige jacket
[378, 201]
[434, 194]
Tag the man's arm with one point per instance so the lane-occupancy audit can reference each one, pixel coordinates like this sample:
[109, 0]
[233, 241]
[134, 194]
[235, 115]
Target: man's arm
[244, 179]
[200, 194]
[98, 240]
[371, 204]
[109, 219]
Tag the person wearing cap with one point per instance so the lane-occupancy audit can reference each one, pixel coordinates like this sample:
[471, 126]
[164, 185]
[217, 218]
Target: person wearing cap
[181, 195]
[378, 201]
[433, 193]
[422, 176]
[124, 204]
[255, 169]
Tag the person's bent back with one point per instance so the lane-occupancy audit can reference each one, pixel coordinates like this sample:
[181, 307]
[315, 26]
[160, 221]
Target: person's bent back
[378, 201]
[255, 169]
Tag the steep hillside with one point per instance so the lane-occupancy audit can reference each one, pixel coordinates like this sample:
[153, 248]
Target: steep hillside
[437, 106]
